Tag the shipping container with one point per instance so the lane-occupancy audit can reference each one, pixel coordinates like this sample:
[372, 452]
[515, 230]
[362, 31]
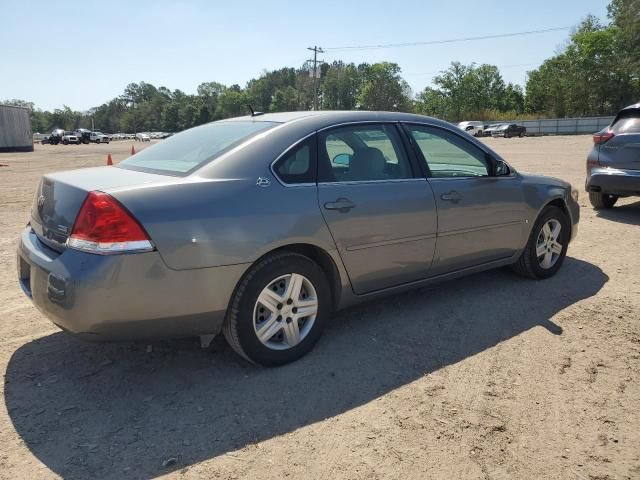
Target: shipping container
[15, 129]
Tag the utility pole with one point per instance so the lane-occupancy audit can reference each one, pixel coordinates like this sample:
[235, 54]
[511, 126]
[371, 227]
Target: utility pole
[316, 50]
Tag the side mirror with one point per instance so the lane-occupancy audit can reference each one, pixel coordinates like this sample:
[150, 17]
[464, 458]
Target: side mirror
[501, 169]
[342, 159]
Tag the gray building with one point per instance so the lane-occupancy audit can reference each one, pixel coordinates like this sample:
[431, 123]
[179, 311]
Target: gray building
[15, 129]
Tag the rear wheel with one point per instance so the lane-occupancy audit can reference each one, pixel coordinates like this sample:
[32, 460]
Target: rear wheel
[278, 310]
[547, 245]
[521, 134]
[602, 201]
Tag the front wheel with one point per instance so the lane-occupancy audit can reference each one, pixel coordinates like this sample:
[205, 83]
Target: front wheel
[547, 245]
[602, 201]
[279, 309]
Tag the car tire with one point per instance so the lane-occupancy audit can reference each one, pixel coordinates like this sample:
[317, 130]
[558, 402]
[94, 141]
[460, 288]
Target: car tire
[244, 315]
[531, 264]
[65, 142]
[602, 201]
[521, 134]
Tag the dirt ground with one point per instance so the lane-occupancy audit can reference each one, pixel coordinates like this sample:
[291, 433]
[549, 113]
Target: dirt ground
[491, 376]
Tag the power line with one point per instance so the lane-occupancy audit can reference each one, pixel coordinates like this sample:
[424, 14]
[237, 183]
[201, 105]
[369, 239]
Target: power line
[451, 40]
[515, 65]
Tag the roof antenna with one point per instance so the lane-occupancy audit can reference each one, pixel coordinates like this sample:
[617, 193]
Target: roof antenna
[253, 113]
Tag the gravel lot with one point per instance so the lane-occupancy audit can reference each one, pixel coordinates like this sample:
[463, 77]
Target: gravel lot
[491, 376]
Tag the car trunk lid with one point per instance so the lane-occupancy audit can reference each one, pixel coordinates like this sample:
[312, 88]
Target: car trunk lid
[59, 197]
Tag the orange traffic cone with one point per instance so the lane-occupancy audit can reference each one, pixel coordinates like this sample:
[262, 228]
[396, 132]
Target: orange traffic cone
[133, 150]
[109, 160]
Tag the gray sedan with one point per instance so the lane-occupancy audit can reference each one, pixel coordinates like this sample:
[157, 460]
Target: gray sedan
[261, 227]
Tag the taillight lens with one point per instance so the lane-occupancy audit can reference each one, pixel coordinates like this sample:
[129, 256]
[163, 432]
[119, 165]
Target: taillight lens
[602, 137]
[104, 226]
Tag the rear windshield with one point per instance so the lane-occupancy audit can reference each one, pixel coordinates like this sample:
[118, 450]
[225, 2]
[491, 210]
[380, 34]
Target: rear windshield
[627, 122]
[183, 153]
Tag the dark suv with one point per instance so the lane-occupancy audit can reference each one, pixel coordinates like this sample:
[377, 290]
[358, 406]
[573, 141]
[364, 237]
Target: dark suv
[509, 130]
[613, 165]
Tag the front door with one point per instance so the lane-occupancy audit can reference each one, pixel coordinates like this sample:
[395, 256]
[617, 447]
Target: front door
[382, 216]
[480, 216]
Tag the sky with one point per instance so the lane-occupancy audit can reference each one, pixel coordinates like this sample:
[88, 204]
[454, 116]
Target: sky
[82, 54]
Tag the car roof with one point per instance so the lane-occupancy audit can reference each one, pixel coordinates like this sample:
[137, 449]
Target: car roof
[323, 118]
[632, 107]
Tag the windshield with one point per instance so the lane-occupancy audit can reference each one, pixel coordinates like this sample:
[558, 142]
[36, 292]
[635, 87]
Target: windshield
[503, 127]
[182, 153]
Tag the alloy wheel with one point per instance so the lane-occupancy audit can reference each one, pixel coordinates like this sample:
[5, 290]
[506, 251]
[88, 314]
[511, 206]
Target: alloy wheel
[285, 311]
[548, 246]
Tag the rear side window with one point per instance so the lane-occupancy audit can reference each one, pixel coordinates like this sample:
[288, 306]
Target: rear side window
[298, 165]
[628, 122]
[362, 153]
[185, 152]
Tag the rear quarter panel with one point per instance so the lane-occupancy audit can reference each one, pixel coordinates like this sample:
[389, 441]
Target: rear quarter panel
[206, 223]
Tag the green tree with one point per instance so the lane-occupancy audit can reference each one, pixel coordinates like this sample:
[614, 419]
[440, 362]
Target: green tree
[384, 89]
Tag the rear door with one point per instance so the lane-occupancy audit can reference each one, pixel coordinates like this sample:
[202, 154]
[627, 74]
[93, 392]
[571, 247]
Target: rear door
[381, 214]
[623, 150]
[480, 216]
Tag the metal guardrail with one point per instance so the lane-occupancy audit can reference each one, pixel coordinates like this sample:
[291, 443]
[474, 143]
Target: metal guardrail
[562, 126]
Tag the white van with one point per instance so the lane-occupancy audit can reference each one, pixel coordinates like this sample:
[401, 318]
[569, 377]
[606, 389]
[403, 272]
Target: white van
[472, 128]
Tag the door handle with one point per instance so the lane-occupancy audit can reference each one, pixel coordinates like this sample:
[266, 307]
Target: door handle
[341, 204]
[452, 196]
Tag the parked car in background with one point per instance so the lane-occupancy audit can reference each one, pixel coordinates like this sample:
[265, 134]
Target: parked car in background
[488, 129]
[70, 137]
[613, 165]
[473, 128]
[83, 134]
[509, 130]
[142, 137]
[99, 137]
[202, 233]
[56, 136]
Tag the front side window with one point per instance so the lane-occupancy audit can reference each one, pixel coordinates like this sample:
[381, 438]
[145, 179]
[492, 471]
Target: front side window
[362, 153]
[448, 155]
[191, 149]
[298, 164]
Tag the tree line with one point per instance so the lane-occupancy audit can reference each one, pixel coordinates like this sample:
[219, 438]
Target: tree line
[596, 73]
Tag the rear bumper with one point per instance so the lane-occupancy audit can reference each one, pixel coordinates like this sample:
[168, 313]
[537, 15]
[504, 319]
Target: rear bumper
[123, 297]
[613, 181]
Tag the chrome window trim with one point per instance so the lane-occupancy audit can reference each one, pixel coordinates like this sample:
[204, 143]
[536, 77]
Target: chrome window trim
[512, 175]
[389, 180]
[481, 146]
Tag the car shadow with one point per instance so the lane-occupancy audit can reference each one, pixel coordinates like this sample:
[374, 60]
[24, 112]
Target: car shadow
[628, 213]
[120, 411]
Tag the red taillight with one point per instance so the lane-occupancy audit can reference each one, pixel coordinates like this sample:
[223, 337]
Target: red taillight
[602, 137]
[103, 225]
